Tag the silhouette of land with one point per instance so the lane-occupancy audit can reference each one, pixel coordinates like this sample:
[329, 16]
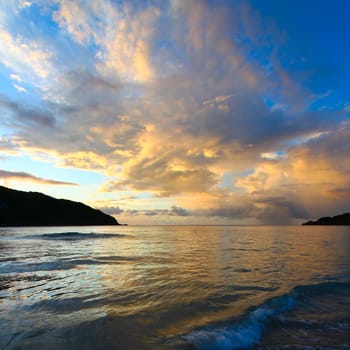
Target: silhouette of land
[18, 208]
[343, 219]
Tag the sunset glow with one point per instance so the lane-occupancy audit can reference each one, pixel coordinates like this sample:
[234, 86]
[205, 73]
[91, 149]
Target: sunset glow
[179, 112]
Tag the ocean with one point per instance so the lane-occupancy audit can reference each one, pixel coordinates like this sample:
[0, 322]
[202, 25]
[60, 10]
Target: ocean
[175, 287]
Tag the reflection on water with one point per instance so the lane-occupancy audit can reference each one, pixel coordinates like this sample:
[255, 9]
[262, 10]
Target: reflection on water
[155, 287]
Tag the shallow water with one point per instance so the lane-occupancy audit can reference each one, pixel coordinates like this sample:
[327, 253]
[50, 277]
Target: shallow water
[175, 287]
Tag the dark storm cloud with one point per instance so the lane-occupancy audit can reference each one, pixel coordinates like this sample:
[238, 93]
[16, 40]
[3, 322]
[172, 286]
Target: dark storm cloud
[273, 206]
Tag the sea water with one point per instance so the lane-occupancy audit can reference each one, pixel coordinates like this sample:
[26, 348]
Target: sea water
[175, 287]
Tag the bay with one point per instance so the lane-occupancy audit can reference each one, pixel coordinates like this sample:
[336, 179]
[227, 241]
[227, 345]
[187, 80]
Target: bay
[175, 287]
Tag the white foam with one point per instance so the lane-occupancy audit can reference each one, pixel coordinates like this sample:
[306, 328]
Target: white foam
[243, 335]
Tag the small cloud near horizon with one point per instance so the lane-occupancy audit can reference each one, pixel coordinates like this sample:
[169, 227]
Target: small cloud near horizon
[18, 175]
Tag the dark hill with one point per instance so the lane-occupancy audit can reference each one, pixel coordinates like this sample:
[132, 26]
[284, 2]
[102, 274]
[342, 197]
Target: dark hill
[18, 208]
[343, 219]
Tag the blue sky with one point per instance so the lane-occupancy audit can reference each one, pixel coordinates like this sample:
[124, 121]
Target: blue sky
[317, 32]
[223, 112]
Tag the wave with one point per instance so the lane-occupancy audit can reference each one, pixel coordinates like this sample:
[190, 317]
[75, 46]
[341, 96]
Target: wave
[63, 264]
[243, 335]
[248, 332]
[72, 236]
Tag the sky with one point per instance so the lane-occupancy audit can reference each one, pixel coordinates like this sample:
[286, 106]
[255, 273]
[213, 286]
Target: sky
[179, 111]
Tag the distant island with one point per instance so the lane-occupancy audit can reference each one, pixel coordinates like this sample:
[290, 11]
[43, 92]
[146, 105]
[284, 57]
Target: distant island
[18, 208]
[343, 219]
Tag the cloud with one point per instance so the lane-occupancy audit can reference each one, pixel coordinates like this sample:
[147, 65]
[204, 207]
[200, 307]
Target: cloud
[8, 146]
[27, 58]
[112, 210]
[16, 77]
[20, 88]
[170, 99]
[74, 19]
[313, 175]
[24, 3]
[281, 209]
[178, 211]
[25, 116]
[173, 211]
[13, 175]
[122, 33]
[83, 160]
[157, 175]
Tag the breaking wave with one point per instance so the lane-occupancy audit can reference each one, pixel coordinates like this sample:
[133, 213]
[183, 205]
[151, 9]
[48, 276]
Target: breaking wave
[248, 332]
